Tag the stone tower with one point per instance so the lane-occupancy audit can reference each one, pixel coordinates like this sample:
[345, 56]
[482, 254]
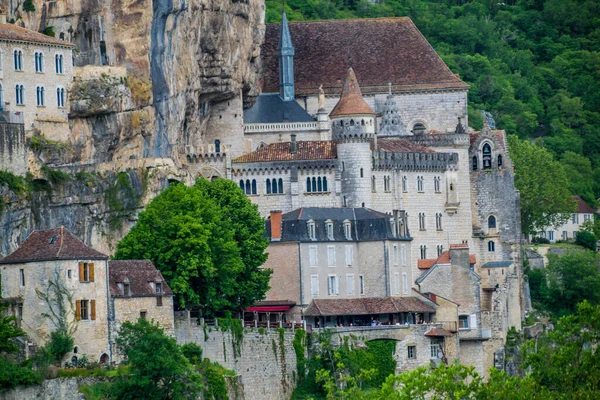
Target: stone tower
[353, 130]
[285, 56]
[391, 122]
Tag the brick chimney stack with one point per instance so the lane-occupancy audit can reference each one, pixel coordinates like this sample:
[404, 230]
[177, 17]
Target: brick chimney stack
[275, 219]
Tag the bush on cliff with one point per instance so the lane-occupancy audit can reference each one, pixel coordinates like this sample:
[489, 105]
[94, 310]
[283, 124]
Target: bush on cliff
[208, 242]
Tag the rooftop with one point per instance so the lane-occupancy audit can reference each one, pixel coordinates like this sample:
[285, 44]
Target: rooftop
[582, 206]
[400, 145]
[14, 32]
[351, 101]
[444, 258]
[139, 273]
[381, 50]
[52, 244]
[270, 108]
[366, 306]
[281, 151]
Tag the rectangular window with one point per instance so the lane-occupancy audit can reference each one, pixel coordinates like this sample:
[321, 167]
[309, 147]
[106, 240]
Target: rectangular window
[159, 301]
[403, 254]
[350, 284]
[395, 254]
[158, 287]
[586, 217]
[333, 285]
[564, 235]
[69, 274]
[331, 256]
[312, 253]
[22, 277]
[404, 283]
[550, 235]
[349, 256]
[435, 350]
[330, 231]
[412, 352]
[463, 322]
[575, 218]
[126, 290]
[143, 314]
[473, 321]
[396, 283]
[84, 309]
[314, 285]
[361, 284]
[86, 272]
[404, 184]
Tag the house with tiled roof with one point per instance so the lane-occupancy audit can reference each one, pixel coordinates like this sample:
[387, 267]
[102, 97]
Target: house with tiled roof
[36, 72]
[97, 295]
[568, 231]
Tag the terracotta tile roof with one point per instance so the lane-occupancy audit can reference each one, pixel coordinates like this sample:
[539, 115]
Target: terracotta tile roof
[16, 33]
[139, 273]
[582, 206]
[305, 150]
[366, 306]
[351, 101]
[399, 145]
[438, 332]
[381, 50]
[459, 246]
[52, 244]
[444, 258]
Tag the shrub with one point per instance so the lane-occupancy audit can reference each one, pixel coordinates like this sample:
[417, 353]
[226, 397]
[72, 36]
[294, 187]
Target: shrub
[192, 352]
[49, 31]
[540, 240]
[28, 5]
[586, 239]
[12, 374]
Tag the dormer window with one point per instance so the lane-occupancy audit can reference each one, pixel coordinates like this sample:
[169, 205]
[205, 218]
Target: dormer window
[312, 230]
[126, 289]
[329, 224]
[158, 287]
[348, 230]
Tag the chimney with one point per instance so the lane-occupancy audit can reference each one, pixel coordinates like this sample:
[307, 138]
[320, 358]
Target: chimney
[275, 219]
[459, 255]
[293, 143]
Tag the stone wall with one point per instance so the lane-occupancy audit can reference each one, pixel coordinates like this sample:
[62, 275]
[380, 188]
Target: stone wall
[266, 360]
[13, 150]
[52, 389]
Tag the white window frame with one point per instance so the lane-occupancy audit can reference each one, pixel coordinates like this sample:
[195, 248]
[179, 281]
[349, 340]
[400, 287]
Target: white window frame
[329, 225]
[404, 283]
[331, 256]
[350, 284]
[349, 255]
[348, 229]
[403, 254]
[314, 285]
[312, 230]
[313, 261]
[396, 283]
[333, 285]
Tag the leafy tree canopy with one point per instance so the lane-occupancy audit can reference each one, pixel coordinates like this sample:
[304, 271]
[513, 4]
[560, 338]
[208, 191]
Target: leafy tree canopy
[208, 242]
[545, 197]
[8, 332]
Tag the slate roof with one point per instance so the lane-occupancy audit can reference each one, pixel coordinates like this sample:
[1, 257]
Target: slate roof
[444, 258]
[366, 306]
[365, 224]
[380, 50]
[351, 101]
[270, 108]
[140, 273]
[582, 206]
[52, 244]
[14, 32]
[399, 145]
[281, 151]
[497, 264]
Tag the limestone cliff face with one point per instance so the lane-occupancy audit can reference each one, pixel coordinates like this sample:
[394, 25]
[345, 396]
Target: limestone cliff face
[148, 75]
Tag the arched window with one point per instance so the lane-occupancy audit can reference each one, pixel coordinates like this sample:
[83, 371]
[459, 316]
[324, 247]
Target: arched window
[242, 185]
[404, 184]
[18, 60]
[491, 222]
[418, 128]
[104, 359]
[39, 61]
[362, 122]
[308, 187]
[491, 246]
[373, 184]
[325, 184]
[60, 97]
[19, 95]
[499, 160]
[217, 146]
[58, 63]
[269, 186]
[248, 191]
[40, 96]
[253, 186]
[280, 186]
[474, 163]
[319, 184]
[314, 184]
[487, 156]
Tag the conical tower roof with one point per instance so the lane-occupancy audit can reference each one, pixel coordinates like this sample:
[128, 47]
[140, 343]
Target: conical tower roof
[285, 38]
[351, 102]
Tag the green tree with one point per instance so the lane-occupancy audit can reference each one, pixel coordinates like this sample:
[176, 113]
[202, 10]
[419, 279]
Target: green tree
[158, 368]
[545, 197]
[586, 239]
[572, 278]
[191, 238]
[8, 332]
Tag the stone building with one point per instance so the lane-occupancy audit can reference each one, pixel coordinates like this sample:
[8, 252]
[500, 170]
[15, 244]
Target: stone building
[138, 290]
[36, 72]
[55, 264]
[53, 279]
[568, 230]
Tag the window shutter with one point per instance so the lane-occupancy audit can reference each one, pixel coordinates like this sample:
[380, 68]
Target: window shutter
[91, 271]
[473, 322]
[93, 309]
[78, 307]
[80, 272]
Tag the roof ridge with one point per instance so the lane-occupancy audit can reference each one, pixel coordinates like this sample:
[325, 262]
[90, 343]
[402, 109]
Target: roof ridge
[62, 227]
[322, 21]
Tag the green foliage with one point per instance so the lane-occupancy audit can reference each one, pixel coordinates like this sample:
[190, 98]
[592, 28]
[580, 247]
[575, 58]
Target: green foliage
[49, 31]
[55, 176]
[158, 368]
[60, 343]
[192, 352]
[8, 332]
[13, 374]
[97, 391]
[16, 183]
[207, 240]
[28, 5]
[300, 350]
[586, 239]
[215, 386]
[236, 328]
[545, 199]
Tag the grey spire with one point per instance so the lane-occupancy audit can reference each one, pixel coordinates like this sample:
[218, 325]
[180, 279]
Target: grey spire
[285, 55]
[391, 122]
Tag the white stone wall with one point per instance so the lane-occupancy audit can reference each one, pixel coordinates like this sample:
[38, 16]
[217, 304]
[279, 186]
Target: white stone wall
[437, 110]
[50, 119]
[225, 123]
[91, 336]
[569, 227]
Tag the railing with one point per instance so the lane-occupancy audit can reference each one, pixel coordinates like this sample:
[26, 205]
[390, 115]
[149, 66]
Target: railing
[292, 126]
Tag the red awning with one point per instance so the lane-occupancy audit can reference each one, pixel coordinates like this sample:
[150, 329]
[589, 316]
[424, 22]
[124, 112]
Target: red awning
[267, 308]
